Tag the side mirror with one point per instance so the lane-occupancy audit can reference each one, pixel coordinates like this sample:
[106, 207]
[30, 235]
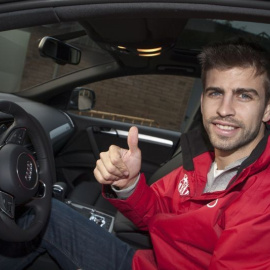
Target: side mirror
[82, 99]
[62, 53]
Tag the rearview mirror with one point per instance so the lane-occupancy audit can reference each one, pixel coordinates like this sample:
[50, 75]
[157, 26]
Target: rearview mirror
[62, 53]
[82, 99]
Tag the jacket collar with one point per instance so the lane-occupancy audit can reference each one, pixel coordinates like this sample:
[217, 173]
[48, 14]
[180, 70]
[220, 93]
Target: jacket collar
[196, 142]
[193, 144]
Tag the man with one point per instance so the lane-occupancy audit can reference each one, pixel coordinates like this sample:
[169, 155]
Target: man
[214, 211]
[211, 213]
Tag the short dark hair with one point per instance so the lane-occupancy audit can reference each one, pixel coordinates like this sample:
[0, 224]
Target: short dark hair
[238, 52]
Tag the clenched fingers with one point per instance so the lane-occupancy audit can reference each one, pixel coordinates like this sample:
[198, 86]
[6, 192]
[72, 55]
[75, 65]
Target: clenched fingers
[110, 167]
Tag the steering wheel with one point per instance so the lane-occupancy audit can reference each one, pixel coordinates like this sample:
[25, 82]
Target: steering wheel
[24, 180]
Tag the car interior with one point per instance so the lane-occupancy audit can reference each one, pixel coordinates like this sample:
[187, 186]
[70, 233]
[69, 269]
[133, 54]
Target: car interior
[76, 75]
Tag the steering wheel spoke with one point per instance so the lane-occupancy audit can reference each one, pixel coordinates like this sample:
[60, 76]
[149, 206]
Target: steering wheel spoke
[17, 136]
[7, 204]
[14, 134]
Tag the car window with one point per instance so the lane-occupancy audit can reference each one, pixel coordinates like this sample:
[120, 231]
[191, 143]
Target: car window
[151, 100]
[21, 65]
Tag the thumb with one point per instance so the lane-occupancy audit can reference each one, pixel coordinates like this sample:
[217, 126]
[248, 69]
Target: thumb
[132, 140]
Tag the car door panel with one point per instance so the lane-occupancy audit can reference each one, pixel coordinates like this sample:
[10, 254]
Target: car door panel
[76, 161]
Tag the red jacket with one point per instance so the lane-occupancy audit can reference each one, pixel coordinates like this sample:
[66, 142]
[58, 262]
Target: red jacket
[189, 230]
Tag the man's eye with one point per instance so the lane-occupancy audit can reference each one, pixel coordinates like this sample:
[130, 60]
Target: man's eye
[245, 96]
[214, 94]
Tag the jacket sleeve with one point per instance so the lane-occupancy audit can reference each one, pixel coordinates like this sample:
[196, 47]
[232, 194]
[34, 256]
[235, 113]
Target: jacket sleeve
[245, 245]
[146, 201]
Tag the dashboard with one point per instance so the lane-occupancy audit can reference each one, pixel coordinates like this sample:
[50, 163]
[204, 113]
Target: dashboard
[56, 123]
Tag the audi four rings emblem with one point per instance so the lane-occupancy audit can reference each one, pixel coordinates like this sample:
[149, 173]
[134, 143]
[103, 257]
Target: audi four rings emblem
[29, 171]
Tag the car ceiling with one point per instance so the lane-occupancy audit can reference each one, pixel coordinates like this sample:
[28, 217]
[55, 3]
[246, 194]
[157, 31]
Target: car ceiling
[23, 13]
[133, 34]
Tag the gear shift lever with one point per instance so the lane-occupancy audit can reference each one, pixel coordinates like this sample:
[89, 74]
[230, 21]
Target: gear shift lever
[59, 191]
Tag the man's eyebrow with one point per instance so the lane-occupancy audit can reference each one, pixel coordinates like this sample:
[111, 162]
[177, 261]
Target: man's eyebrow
[246, 90]
[211, 88]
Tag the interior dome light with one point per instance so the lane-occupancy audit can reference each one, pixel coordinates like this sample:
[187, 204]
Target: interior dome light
[150, 50]
[149, 54]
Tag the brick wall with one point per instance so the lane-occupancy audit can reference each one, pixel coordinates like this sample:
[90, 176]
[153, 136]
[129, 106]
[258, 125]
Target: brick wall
[162, 98]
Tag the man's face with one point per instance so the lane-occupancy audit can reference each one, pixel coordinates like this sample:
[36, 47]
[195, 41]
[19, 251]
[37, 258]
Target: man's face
[233, 109]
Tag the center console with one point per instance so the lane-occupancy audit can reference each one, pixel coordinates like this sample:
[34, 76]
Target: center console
[102, 219]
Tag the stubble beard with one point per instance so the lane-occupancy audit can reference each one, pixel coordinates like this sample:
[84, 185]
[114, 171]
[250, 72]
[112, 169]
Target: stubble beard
[224, 143]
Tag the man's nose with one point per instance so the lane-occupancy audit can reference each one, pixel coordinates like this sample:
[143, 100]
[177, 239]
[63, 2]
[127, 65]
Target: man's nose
[226, 107]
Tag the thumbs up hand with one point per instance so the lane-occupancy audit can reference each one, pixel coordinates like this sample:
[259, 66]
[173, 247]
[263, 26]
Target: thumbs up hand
[120, 167]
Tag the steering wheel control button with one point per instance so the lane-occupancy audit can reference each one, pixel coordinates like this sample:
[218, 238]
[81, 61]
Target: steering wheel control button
[27, 171]
[7, 204]
[17, 136]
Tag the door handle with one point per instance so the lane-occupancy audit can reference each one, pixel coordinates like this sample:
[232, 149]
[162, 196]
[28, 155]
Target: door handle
[142, 137]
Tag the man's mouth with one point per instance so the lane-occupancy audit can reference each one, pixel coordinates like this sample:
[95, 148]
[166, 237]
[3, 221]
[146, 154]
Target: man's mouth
[225, 127]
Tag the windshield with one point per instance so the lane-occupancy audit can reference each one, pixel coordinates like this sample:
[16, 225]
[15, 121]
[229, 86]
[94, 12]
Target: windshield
[22, 67]
[198, 32]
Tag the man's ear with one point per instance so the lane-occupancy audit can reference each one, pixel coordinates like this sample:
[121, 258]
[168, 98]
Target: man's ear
[266, 115]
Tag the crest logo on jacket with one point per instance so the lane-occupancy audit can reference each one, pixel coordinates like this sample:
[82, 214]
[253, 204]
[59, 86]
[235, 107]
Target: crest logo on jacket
[183, 186]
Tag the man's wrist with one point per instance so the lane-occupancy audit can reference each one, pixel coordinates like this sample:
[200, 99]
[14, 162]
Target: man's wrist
[126, 192]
